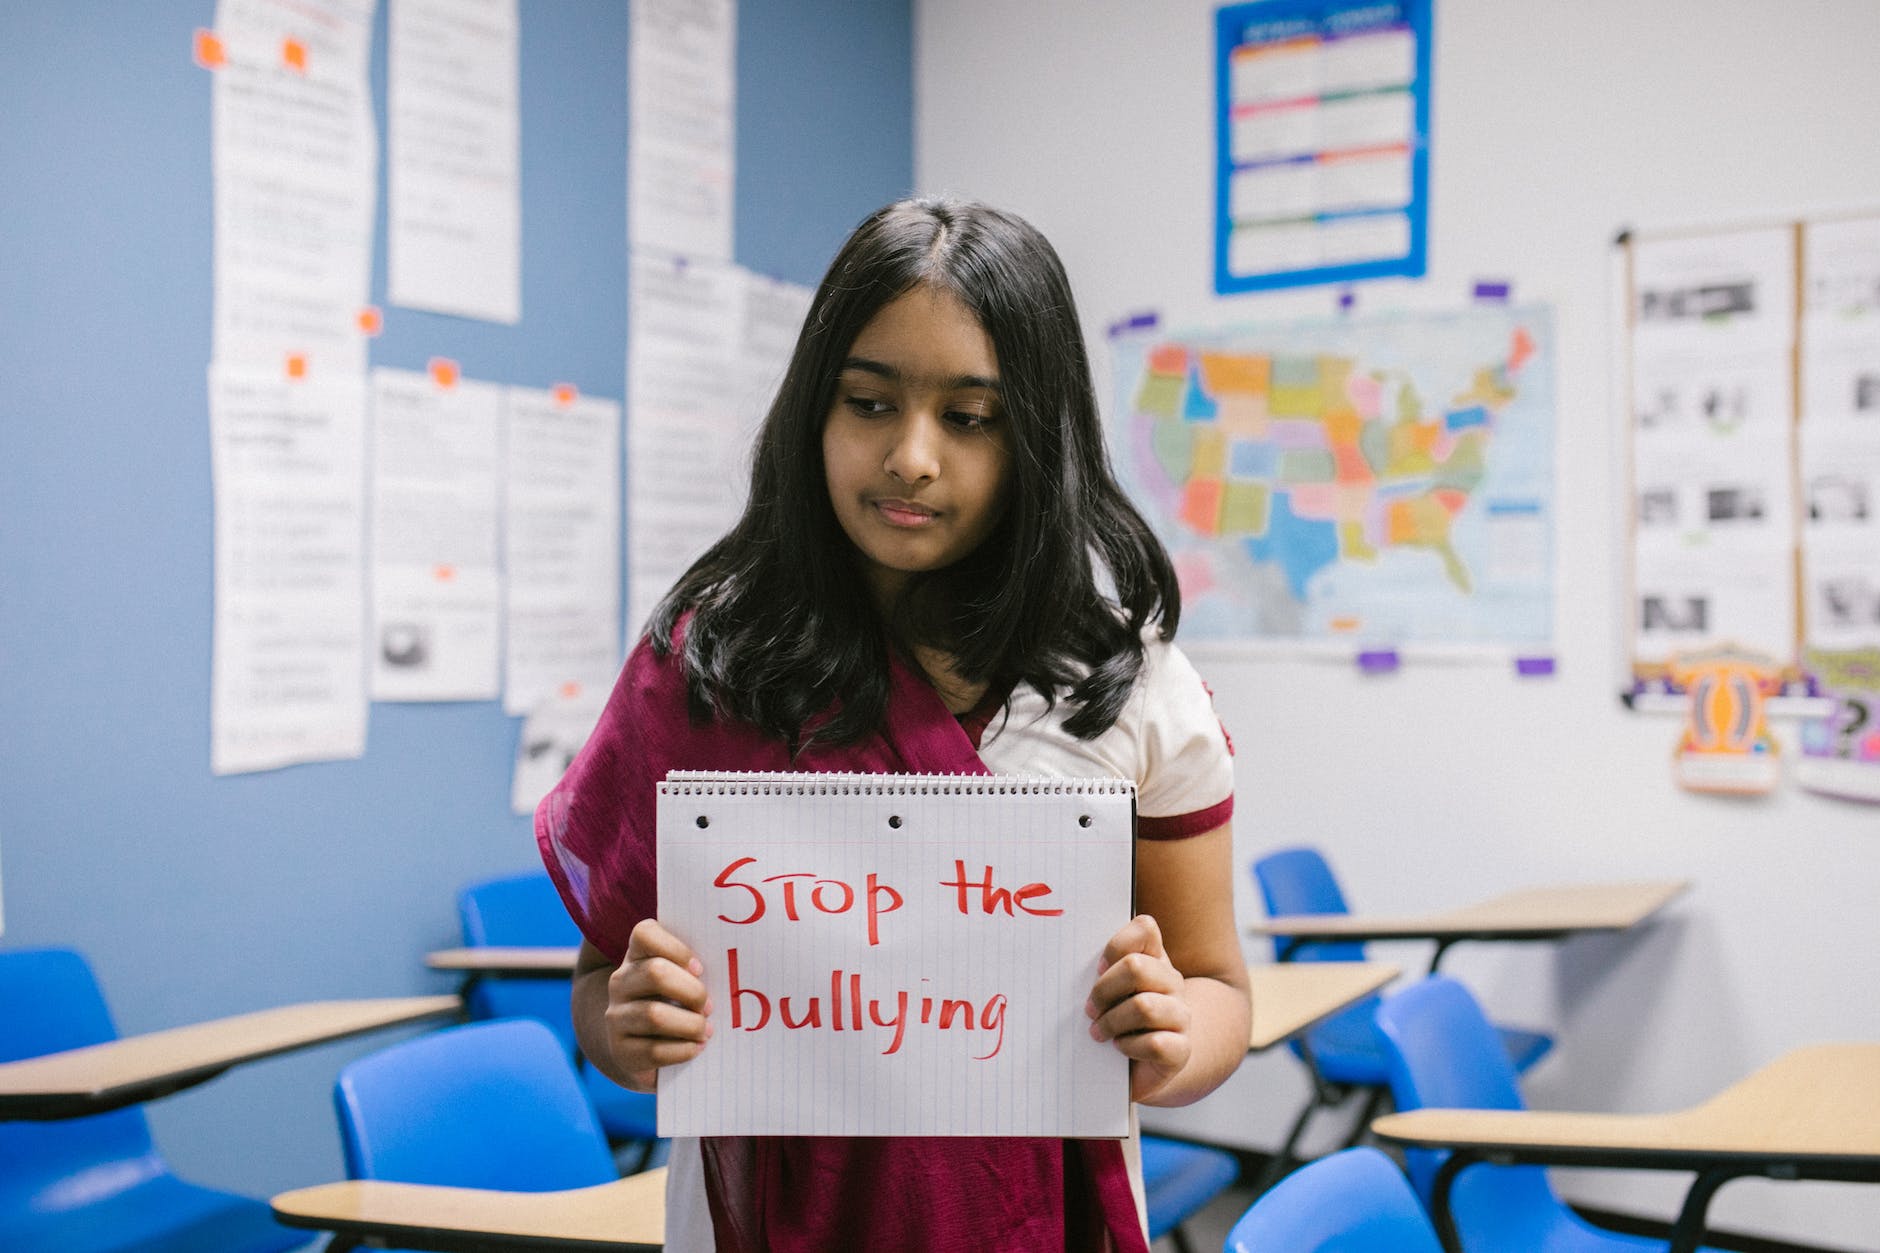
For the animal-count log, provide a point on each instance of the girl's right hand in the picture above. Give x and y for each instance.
(657, 1011)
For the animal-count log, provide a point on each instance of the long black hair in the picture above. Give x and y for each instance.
(783, 632)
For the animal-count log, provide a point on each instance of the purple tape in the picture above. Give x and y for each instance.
(1135, 322)
(1378, 661)
(1492, 292)
(1533, 667)
(1347, 300)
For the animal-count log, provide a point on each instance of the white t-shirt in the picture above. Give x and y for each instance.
(1167, 739)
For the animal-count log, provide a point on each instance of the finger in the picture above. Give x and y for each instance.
(1134, 973)
(657, 977)
(663, 1020)
(1166, 1051)
(1140, 934)
(650, 939)
(651, 1055)
(1148, 1012)
(1148, 1075)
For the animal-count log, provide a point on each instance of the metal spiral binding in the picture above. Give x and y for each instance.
(805, 783)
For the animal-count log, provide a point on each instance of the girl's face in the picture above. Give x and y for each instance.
(915, 447)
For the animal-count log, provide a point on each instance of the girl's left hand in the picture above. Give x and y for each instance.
(1138, 1002)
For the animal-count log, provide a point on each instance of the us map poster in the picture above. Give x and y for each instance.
(1357, 483)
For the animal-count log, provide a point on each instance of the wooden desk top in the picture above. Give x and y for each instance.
(494, 960)
(138, 1068)
(1288, 998)
(1818, 1104)
(1533, 913)
(628, 1214)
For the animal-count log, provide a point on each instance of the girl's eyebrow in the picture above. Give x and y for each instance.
(894, 374)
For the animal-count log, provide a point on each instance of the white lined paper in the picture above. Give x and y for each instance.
(1028, 1067)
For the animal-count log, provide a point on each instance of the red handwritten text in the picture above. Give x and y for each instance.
(992, 899)
(847, 1010)
(828, 896)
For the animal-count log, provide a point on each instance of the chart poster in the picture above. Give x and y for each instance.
(1357, 483)
(1322, 134)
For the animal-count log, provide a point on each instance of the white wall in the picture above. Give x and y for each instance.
(1554, 126)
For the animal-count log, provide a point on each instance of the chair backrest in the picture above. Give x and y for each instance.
(519, 910)
(1443, 1053)
(1299, 881)
(50, 1001)
(1351, 1202)
(483, 1105)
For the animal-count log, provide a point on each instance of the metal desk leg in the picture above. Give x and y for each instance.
(1440, 1215)
(1689, 1228)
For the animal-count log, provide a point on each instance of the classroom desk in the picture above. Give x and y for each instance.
(1811, 1114)
(627, 1214)
(1288, 999)
(630, 1214)
(495, 960)
(107, 1076)
(1546, 913)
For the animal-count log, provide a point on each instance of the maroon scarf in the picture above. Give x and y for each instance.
(812, 1193)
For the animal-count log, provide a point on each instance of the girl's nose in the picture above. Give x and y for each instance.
(914, 456)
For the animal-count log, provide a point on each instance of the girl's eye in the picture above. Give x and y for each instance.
(866, 406)
(970, 421)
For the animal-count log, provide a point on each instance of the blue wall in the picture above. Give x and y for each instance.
(196, 896)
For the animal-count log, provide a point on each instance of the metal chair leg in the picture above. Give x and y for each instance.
(1372, 1105)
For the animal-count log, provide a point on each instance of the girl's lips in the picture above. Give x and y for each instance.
(904, 513)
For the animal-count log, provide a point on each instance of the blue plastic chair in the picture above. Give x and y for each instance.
(1444, 1053)
(1178, 1179)
(1356, 1201)
(1344, 1054)
(481, 1105)
(526, 910)
(97, 1184)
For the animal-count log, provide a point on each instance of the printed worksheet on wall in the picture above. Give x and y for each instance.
(707, 348)
(296, 177)
(1713, 547)
(681, 167)
(436, 591)
(561, 543)
(1839, 448)
(453, 169)
(288, 676)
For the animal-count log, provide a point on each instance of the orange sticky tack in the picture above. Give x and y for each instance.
(444, 574)
(1345, 625)
(296, 365)
(294, 55)
(444, 371)
(1521, 349)
(570, 690)
(565, 393)
(208, 50)
(371, 321)
(1168, 359)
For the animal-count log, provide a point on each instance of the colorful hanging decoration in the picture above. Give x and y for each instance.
(1841, 751)
(1725, 745)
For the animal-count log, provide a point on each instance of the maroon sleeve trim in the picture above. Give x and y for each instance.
(1182, 826)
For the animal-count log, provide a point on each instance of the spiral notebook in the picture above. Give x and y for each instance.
(897, 954)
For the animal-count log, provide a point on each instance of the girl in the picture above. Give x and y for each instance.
(935, 573)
